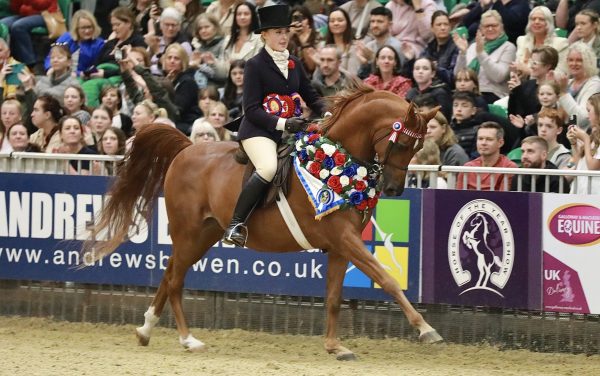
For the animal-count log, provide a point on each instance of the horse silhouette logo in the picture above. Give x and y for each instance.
(481, 247)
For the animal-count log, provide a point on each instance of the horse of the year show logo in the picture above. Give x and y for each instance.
(481, 247)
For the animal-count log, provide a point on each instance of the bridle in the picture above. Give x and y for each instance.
(398, 128)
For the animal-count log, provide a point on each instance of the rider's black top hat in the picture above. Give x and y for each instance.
(273, 17)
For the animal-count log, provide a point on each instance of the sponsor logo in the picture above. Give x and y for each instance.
(575, 224)
(481, 247)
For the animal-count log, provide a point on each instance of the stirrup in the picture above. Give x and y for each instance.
(236, 235)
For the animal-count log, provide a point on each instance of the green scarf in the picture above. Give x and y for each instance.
(488, 47)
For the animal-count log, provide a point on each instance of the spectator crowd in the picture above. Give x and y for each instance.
(517, 81)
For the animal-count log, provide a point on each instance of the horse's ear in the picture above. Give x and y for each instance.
(428, 115)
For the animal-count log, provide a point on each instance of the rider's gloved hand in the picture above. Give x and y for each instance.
(296, 124)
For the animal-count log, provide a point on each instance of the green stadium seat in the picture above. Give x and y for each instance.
(515, 156)
(498, 110)
(561, 32)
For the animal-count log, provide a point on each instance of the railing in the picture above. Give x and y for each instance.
(104, 165)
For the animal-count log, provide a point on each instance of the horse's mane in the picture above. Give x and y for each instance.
(336, 103)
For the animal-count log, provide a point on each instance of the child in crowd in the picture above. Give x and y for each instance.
(547, 94)
(218, 116)
(466, 80)
(100, 121)
(234, 88)
(550, 123)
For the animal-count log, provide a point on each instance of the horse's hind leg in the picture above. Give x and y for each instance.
(336, 270)
(352, 247)
(152, 315)
(188, 248)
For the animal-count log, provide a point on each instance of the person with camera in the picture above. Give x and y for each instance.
(270, 78)
(166, 32)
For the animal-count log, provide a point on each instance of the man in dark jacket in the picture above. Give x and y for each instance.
(534, 153)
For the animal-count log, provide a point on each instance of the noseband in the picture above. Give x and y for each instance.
(398, 128)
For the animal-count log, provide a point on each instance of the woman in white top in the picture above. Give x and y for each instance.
(540, 32)
(339, 33)
(585, 149)
(490, 56)
(242, 43)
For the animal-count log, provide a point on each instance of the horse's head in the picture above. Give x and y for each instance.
(398, 144)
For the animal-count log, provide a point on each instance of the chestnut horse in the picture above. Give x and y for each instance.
(202, 182)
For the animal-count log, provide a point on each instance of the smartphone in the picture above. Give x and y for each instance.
(462, 32)
(157, 29)
(13, 77)
(572, 121)
(118, 55)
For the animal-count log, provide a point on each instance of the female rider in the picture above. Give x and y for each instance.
(269, 77)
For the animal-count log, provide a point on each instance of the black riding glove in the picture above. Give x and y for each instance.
(296, 124)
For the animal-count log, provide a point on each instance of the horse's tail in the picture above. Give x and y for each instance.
(139, 181)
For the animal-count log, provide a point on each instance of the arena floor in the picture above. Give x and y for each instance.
(33, 346)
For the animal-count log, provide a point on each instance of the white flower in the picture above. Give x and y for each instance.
(361, 171)
(323, 173)
(305, 138)
(344, 180)
(310, 149)
(298, 146)
(337, 170)
(328, 149)
(371, 192)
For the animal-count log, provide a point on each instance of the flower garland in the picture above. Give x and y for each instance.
(329, 162)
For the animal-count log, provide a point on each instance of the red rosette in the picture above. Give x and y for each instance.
(290, 106)
(291, 64)
(279, 105)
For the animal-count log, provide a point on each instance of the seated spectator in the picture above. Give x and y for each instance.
(84, 41)
(534, 154)
(74, 104)
(428, 155)
(110, 97)
(27, 16)
(587, 30)
(412, 24)
(134, 88)
(386, 74)
(379, 30)
(539, 33)
(223, 12)
(111, 142)
(10, 69)
(169, 32)
(359, 11)
(547, 96)
(125, 33)
(206, 98)
(18, 140)
(72, 142)
(58, 78)
(304, 38)
(513, 15)
(100, 121)
(583, 82)
(466, 80)
(585, 149)
(45, 115)
(566, 12)
(427, 83)
(203, 131)
(451, 153)
(218, 117)
(490, 138)
(329, 79)
(243, 43)
(442, 49)
(339, 33)
(208, 43)
(522, 100)
(10, 113)
(550, 123)
(234, 88)
(490, 56)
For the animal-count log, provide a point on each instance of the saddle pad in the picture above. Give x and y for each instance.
(322, 198)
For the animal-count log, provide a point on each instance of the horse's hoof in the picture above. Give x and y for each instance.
(346, 356)
(431, 337)
(192, 344)
(142, 339)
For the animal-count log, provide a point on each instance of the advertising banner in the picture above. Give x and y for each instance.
(571, 239)
(485, 248)
(43, 217)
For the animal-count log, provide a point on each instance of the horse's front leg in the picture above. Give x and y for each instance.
(353, 249)
(336, 270)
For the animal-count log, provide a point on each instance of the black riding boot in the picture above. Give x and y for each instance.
(253, 191)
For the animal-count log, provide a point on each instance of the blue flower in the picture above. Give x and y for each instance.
(303, 155)
(356, 197)
(350, 171)
(329, 163)
(299, 135)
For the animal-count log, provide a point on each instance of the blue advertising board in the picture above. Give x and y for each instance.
(43, 220)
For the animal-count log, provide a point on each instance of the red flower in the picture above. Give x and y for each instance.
(319, 155)
(360, 186)
(312, 138)
(312, 128)
(334, 183)
(339, 158)
(291, 64)
(372, 202)
(314, 169)
(362, 206)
